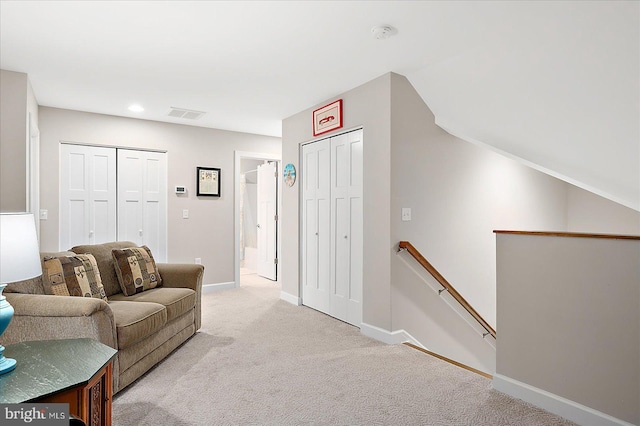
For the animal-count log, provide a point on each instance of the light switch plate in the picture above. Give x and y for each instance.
(44, 214)
(185, 214)
(406, 214)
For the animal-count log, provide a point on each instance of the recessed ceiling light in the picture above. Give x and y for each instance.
(136, 108)
(383, 32)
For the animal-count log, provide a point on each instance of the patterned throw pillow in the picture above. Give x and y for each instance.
(72, 276)
(136, 269)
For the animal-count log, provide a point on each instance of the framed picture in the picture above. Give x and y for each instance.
(208, 183)
(327, 118)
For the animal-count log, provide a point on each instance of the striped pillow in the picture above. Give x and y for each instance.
(136, 269)
(72, 276)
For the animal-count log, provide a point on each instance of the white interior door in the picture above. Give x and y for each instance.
(142, 200)
(316, 229)
(87, 195)
(267, 219)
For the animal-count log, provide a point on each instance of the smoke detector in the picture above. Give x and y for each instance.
(383, 32)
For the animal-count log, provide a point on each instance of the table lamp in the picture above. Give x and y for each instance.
(19, 260)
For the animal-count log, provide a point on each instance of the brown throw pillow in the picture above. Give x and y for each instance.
(72, 276)
(136, 269)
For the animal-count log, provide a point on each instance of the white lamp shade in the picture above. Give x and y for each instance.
(19, 252)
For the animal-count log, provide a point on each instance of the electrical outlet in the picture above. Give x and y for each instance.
(198, 261)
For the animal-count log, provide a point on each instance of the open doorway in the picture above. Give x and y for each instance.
(248, 215)
(257, 201)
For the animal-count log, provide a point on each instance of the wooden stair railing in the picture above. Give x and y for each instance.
(405, 245)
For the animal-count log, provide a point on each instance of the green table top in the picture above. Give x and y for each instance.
(47, 367)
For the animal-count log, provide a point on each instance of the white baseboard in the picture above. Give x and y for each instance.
(555, 404)
(294, 300)
(388, 337)
(210, 288)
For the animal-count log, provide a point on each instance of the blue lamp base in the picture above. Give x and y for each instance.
(6, 313)
(6, 364)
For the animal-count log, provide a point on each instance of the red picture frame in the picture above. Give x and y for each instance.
(327, 118)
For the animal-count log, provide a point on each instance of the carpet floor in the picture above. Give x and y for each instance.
(258, 360)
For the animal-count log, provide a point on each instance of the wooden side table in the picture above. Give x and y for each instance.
(74, 371)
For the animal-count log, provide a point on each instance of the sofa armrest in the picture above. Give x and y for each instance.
(185, 275)
(181, 275)
(46, 317)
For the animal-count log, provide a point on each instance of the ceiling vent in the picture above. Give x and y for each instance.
(185, 113)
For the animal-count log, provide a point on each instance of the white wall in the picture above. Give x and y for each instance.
(208, 233)
(588, 212)
(570, 325)
(13, 141)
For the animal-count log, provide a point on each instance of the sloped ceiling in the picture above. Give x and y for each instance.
(553, 84)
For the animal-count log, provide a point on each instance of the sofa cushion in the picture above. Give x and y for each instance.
(177, 301)
(76, 275)
(34, 285)
(102, 253)
(136, 269)
(136, 321)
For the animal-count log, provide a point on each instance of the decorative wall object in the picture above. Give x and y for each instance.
(289, 174)
(327, 118)
(208, 183)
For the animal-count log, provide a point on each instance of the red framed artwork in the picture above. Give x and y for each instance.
(327, 118)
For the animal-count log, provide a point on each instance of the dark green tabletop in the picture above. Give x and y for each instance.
(46, 367)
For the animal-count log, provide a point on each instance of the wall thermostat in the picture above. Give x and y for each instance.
(181, 190)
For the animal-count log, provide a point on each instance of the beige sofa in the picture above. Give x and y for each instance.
(144, 328)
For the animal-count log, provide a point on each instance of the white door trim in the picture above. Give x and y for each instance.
(239, 155)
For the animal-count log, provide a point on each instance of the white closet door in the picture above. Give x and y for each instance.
(142, 200)
(87, 195)
(346, 227)
(267, 219)
(316, 228)
(331, 246)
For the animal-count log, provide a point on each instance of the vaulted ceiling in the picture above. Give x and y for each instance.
(553, 84)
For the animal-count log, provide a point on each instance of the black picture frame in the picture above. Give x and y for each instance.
(208, 182)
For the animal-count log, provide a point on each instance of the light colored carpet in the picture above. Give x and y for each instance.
(260, 361)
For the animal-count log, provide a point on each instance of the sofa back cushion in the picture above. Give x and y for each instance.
(76, 275)
(102, 254)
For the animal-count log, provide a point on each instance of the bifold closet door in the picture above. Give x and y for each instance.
(316, 226)
(87, 195)
(142, 200)
(346, 227)
(331, 243)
